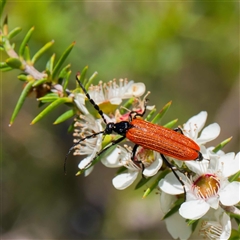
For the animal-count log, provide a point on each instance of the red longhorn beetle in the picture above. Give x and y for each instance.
(167, 142)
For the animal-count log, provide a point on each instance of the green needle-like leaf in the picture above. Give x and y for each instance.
(174, 208)
(25, 41)
(235, 177)
(15, 63)
(221, 145)
(14, 32)
(67, 80)
(160, 115)
(83, 76)
(27, 55)
(39, 82)
(192, 221)
(171, 124)
(65, 116)
(142, 182)
(40, 52)
(90, 80)
(49, 108)
(50, 97)
(2, 5)
(194, 225)
(23, 77)
(5, 26)
(64, 76)
(21, 100)
(121, 170)
(61, 60)
(149, 116)
(5, 69)
(3, 65)
(50, 63)
(71, 127)
(64, 71)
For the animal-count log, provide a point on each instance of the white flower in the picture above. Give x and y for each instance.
(121, 156)
(191, 129)
(209, 186)
(216, 224)
(195, 124)
(114, 93)
(176, 224)
(83, 127)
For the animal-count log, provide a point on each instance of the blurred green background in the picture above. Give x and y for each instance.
(187, 52)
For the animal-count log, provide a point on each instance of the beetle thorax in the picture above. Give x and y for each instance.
(120, 128)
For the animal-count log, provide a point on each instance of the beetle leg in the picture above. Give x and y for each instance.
(136, 161)
(138, 114)
(179, 130)
(174, 172)
(200, 157)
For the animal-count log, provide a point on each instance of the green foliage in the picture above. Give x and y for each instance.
(222, 144)
(21, 100)
(2, 5)
(235, 235)
(25, 42)
(43, 83)
(160, 115)
(171, 123)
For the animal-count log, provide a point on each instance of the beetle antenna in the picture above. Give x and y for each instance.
(91, 100)
(75, 144)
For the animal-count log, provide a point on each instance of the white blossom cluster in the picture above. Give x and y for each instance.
(209, 192)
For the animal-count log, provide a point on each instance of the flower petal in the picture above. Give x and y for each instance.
(79, 100)
(112, 159)
(209, 133)
(194, 209)
(124, 180)
(230, 163)
(166, 201)
(152, 169)
(198, 167)
(230, 195)
(178, 227)
(115, 101)
(88, 171)
(195, 124)
(135, 90)
(85, 162)
(171, 185)
(227, 226)
(213, 201)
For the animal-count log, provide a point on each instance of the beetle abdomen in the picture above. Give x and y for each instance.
(162, 140)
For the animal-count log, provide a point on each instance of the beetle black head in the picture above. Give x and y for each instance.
(109, 128)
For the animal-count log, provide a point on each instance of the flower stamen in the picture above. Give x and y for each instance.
(211, 230)
(206, 186)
